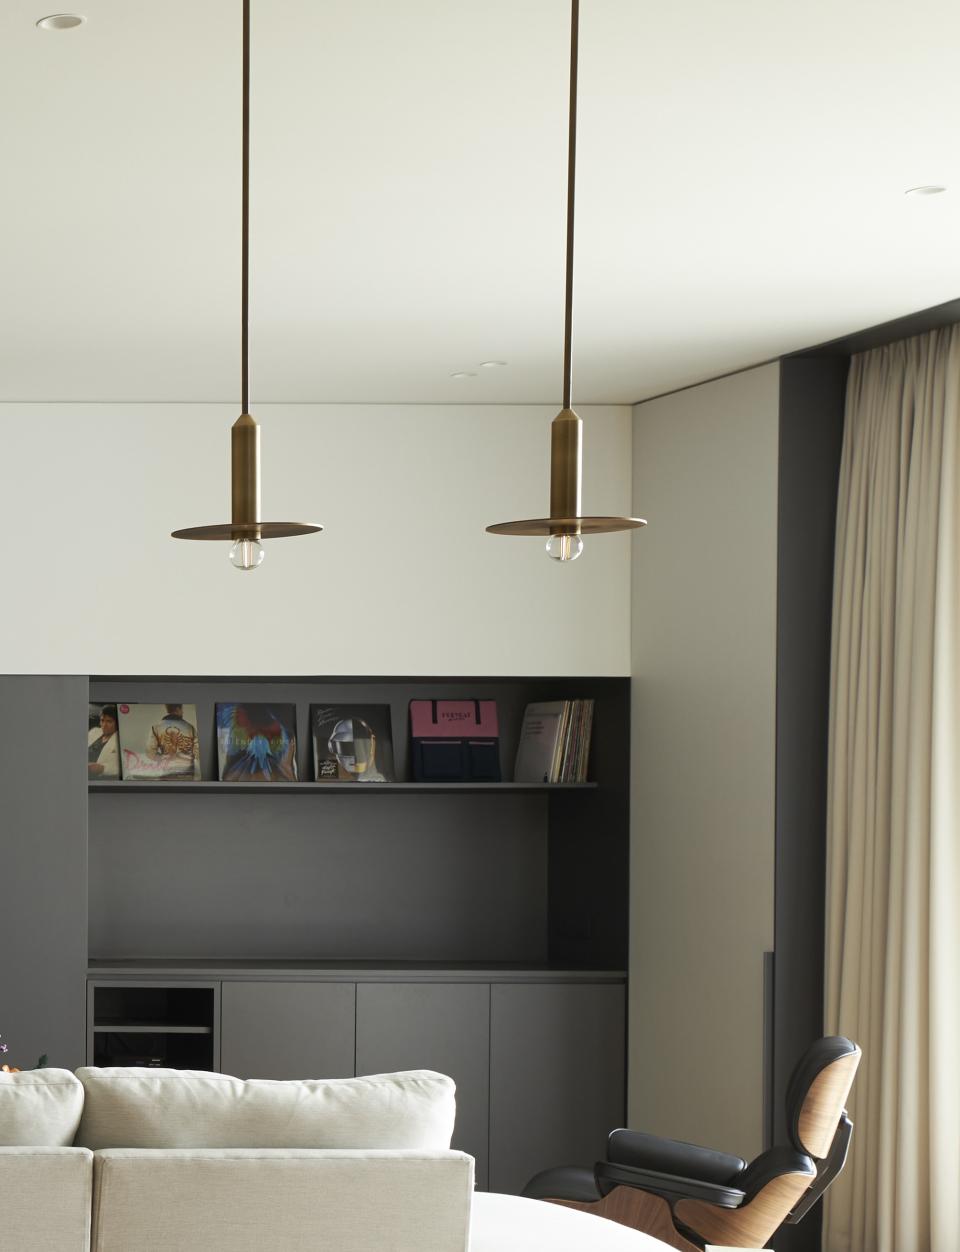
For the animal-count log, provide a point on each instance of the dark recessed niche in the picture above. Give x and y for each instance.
(418, 873)
(154, 1026)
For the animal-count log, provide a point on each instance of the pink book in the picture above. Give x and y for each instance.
(453, 719)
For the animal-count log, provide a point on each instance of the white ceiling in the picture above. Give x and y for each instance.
(742, 169)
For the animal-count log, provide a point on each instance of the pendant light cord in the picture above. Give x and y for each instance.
(245, 223)
(571, 185)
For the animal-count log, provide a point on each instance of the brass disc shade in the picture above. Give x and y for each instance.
(248, 530)
(245, 485)
(567, 526)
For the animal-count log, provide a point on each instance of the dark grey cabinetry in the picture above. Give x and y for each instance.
(43, 868)
(537, 1055)
(556, 1077)
(348, 929)
(288, 1029)
(443, 1026)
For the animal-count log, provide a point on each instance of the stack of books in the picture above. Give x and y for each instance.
(555, 742)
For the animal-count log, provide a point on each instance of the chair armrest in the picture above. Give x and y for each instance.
(672, 1156)
(671, 1187)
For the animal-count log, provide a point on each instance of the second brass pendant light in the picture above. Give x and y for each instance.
(566, 525)
(245, 530)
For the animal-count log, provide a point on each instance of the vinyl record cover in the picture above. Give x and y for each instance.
(103, 743)
(257, 742)
(160, 742)
(352, 743)
(539, 743)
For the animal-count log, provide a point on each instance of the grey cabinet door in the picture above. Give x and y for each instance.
(441, 1026)
(556, 1077)
(287, 1029)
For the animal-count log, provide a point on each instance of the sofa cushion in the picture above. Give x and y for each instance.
(39, 1108)
(169, 1108)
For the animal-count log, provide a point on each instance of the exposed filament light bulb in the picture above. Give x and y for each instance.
(564, 547)
(246, 554)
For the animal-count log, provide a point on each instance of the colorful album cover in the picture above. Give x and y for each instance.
(257, 742)
(352, 743)
(103, 743)
(160, 742)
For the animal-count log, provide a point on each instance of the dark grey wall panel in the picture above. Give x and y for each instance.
(43, 865)
(287, 1029)
(812, 392)
(441, 1026)
(398, 877)
(556, 1077)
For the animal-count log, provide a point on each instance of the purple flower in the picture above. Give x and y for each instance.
(4, 1048)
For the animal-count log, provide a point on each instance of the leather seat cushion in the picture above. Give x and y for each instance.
(567, 1182)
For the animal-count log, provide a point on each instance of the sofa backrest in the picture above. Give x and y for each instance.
(39, 1108)
(165, 1108)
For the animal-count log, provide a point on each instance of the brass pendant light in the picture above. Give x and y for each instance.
(246, 530)
(565, 525)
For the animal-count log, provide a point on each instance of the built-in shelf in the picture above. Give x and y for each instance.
(148, 1028)
(159, 969)
(312, 788)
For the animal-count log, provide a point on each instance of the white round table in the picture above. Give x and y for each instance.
(509, 1223)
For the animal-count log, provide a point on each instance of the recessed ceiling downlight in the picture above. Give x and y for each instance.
(61, 21)
(928, 189)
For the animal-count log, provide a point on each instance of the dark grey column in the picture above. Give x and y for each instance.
(43, 868)
(812, 392)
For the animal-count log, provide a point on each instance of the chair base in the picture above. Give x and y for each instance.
(638, 1209)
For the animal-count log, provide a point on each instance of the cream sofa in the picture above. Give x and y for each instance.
(143, 1160)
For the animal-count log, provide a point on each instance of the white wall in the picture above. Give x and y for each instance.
(702, 809)
(402, 581)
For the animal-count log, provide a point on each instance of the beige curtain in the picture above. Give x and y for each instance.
(893, 861)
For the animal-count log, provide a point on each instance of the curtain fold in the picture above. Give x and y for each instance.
(893, 821)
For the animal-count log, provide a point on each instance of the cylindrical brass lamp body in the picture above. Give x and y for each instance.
(566, 453)
(245, 470)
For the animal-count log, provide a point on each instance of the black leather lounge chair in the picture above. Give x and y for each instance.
(688, 1196)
